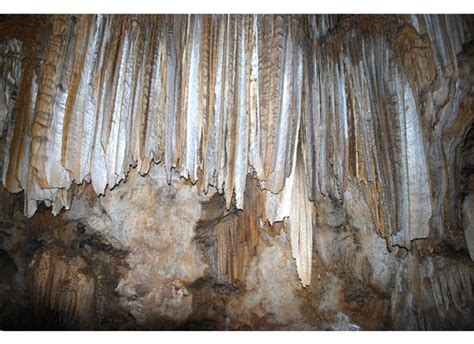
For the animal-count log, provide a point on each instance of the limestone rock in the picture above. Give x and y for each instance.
(263, 162)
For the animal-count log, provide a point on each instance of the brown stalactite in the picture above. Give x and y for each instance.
(306, 104)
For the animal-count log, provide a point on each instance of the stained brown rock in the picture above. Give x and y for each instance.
(346, 135)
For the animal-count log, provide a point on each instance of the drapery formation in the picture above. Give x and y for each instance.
(303, 103)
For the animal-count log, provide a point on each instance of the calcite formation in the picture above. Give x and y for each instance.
(318, 124)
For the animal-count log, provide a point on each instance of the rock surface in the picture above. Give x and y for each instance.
(237, 172)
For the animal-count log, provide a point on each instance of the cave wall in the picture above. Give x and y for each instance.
(237, 172)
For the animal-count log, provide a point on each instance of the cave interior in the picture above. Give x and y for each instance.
(236, 172)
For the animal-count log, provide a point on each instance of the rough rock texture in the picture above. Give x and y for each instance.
(237, 172)
(56, 274)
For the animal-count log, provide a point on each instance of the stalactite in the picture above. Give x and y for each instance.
(61, 287)
(304, 103)
(237, 236)
(432, 289)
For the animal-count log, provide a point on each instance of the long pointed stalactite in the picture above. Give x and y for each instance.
(306, 104)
